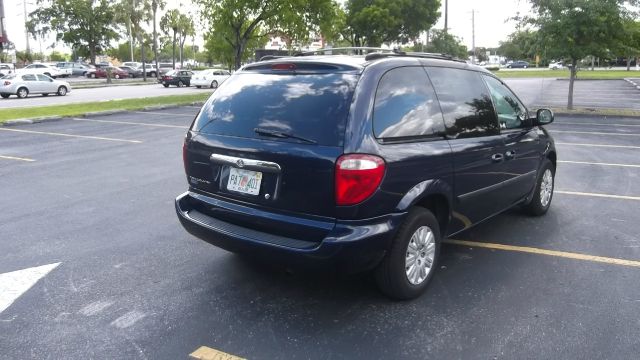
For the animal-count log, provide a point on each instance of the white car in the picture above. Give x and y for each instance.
(209, 78)
(43, 69)
(6, 69)
(22, 85)
(556, 65)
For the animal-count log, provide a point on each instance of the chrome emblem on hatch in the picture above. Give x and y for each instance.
(240, 163)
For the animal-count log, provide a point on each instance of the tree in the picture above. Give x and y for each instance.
(444, 43)
(86, 25)
(138, 13)
(374, 22)
(630, 45)
(57, 56)
(574, 29)
(219, 50)
(186, 29)
(242, 22)
(155, 4)
(521, 44)
(170, 24)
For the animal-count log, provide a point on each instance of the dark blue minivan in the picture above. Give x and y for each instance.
(361, 162)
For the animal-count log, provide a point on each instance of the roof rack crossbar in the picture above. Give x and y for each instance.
(380, 55)
(357, 48)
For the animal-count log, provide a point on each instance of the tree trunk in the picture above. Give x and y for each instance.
(593, 60)
(173, 55)
(572, 78)
(155, 37)
(144, 69)
(629, 63)
(92, 54)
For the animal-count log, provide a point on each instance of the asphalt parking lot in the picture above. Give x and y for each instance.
(93, 199)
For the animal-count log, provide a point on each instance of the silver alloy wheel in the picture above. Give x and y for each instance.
(62, 91)
(22, 93)
(421, 252)
(214, 84)
(546, 188)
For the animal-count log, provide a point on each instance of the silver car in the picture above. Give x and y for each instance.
(22, 85)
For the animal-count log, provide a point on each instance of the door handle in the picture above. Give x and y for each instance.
(511, 154)
(497, 158)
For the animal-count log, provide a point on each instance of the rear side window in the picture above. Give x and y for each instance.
(406, 105)
(313, 106)
(465, 102)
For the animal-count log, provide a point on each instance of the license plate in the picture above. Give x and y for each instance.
(244, 181)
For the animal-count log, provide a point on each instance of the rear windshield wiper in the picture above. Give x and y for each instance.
(282, 135)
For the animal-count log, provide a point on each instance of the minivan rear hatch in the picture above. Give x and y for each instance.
(270, 135)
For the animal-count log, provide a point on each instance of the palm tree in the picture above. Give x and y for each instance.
(187, 28)
(171, 22)
(155, 4)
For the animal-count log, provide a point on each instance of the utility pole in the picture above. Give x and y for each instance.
(473, 35)
(26, 32)
(446, 16)
(130, 34)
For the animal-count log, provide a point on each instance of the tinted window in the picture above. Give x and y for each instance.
(465, 102)
(43, 78)
(406, 105)
(29, 77)
(511, 112)
(310, 106)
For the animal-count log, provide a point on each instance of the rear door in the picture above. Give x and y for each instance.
(270, 137)
(476, 143)
(522, 153)
(32, 83)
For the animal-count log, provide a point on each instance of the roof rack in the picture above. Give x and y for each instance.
(380, 55)
(360, 50)
(271, 57)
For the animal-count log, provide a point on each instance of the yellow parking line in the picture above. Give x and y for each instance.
(600, 145)
(621, 197)
(131, 123)
(207, 353)
(595, 124)
(592, 133)
(15, 158)
(538, 251)
(597, 163)
(70, 135)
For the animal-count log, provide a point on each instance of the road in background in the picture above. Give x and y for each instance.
(99, 94)
(596, 94)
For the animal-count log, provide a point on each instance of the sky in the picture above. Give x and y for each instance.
(490, 19)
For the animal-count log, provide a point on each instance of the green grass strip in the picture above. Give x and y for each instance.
(564, 74)
(69, 110)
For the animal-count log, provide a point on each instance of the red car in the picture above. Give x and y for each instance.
(116, 73)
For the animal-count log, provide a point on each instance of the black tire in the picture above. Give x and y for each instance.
(537, 206)
(525, 66)
(214, 84)
(165, 85)
(117, 76)
(198, 86)
(5, 96)
(152, 74)
(180, 83)
(391, 273)
(62, 91)
(93, 75)
(22, 92)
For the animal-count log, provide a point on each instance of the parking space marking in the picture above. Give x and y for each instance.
(72, 136)
(592, 133)
(595, 124)
(164, 114)
(131, 123)
(597, 163)
(15, 158)
(600, 145)
(539, 251)
(207, 353)
(610, 196)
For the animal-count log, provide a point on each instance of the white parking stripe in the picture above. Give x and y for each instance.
(164, 114)
(600, 145)
(14, 284)
(592, 133)
(620, 197)
(15, 158)
(131, 123)
(597, 163)
(594, 124)
(70, 135)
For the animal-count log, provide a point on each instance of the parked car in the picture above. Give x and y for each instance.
(209, 78)
(361, 163)
(65, 71)
(39, 68)
(6, 69)
(132, 64)
(556, 65)
(133, 72)
(150, 70)
(116, 72)
(22, 85)
(518, 64)
(178, 78)
(77, 69)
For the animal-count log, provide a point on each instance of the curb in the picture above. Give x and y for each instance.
(30, 120)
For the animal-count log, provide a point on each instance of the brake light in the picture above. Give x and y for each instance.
(283, 67)
(184, 155)
(357, 177)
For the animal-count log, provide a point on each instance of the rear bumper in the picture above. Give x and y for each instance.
(350, 246)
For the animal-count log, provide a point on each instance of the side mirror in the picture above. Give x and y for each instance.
(543, 117)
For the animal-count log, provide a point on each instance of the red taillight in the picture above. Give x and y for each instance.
(184, 155)
(357, 177)
(289, 67)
